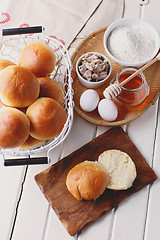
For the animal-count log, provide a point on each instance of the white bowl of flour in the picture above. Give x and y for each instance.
(131, 42)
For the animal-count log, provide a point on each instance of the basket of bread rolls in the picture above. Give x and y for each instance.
(36, 97)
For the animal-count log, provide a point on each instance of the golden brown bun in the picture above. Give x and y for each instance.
(87, 180)
(31, 143)
(47, 118)
(39, 58)
(14, 127)
(50, 88)
(1, 104)
(5, 63)
(18, 87)
(21, 109)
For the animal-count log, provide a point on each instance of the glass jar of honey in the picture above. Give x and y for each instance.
(135, 91)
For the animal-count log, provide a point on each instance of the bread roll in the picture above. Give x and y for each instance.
(39, 58)
(18, 87)
(21, 109)
(31, 143)
(47, 118)
(1, 104)
(14, 127)
(87, 180)
(50, 88)
(5, 63)
(120, 168)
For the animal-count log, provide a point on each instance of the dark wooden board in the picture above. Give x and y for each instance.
(74, 214)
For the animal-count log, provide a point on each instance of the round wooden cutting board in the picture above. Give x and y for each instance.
(94, 43)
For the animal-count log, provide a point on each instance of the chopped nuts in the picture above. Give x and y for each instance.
(93, 67)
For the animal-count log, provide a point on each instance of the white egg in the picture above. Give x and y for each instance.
(89, 100)
(107, 110)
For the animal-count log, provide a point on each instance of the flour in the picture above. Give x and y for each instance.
(131, 44)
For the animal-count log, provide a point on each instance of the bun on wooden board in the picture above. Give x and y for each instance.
(39, 58)
(87, 180)
(120, 168)
(114, 170)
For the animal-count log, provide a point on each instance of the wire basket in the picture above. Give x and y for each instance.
(11, 44)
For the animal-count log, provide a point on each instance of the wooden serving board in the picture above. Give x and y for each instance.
(74, 214)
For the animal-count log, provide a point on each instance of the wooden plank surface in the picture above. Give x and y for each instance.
(130, 218)
(131, 9)
(102, 228)
(83, 132)
(151, 13)
(10, 185)
(34, 218)
(141, 132)
(152, 230)
(75, 215)
(33, 208)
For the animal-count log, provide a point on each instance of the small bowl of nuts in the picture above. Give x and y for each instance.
(93, 69)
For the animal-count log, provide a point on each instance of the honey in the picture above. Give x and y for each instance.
(135, 91)
(136, 82)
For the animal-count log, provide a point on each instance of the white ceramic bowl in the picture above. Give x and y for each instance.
(129, 22)
(87, 83)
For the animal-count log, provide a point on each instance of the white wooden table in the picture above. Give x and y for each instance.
(26, 215)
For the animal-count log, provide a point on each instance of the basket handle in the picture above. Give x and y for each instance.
(26, 161)
(23, 30)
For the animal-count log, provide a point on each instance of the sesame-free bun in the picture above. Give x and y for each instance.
(14, 127)
(1, 104)
(39, 58)
(87, 180)
(31, 143)
(18, 87)
(50, 88)
(47, 118)
(5, 63)
(21, 109)
(120, 168)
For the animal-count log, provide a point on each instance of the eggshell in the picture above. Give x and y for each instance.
(89, 100)
(107, 110)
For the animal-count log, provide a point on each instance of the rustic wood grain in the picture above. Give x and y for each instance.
(75, 215)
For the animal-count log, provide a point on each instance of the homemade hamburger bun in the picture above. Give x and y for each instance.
(1, 104)
(31, 143)
(18, 87)
(5, 63)
(47, 118)
(21, 109)
(87, 180)
(120, 168)
(14, 127)
(39, 58)
(50, 88)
